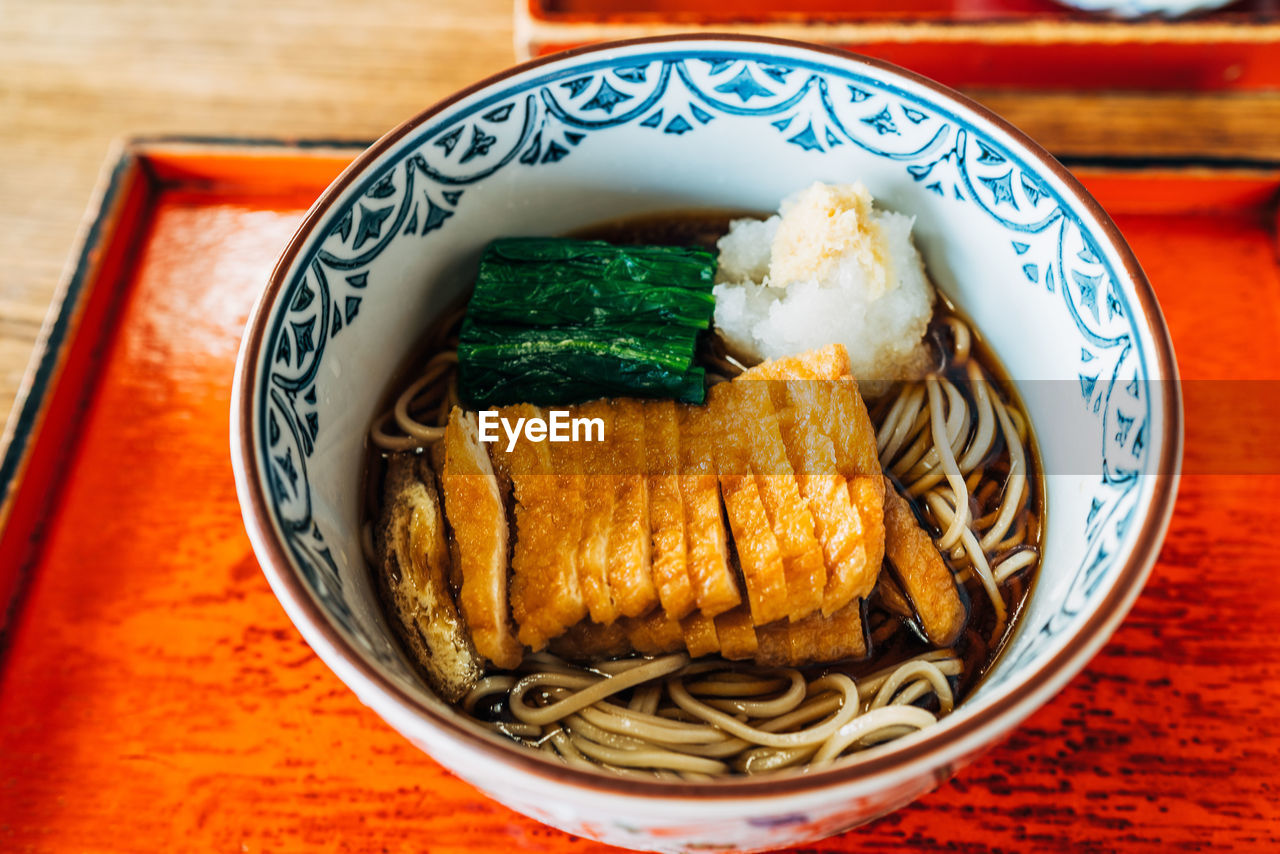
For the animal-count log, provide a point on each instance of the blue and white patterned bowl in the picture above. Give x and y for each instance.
(707, 122)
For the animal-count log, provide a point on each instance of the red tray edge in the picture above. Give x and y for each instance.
(79, 320)
(1069, 26)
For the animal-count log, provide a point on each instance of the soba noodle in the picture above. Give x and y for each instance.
(939, 445)
(956, 448)
(709, 717)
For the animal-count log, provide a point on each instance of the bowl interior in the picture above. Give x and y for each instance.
(698, 124)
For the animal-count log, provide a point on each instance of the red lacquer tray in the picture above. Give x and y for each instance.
(154, 697)
(1037, 44)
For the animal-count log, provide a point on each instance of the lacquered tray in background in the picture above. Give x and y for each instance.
(154, 697)
(1024, 44)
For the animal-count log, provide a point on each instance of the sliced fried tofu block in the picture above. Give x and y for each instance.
(654, 634)
(715, 588)
(789, 515)
(479, 521)
(666, 509)
(700, 636)
(597, 519)
(921, 572)
(415, 569)
(841, 636)
(589, 641)
(545, 595)
(759, 556)
(630, 557)
(737, 634)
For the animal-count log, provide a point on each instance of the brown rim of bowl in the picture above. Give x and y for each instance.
(1129, 583)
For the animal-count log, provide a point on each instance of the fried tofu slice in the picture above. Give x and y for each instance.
(857, 458)
(891, 597)
(435, 460)
(867, 494)
(707, 549)
(630, 556)
(737, 634)
(758, 553)
(654, 634)
(590, 641)
(922, 573)
(473, 505)
(666, 509)
(815, 639)
(546, 597)
(500, 461)
(826, 363)
(789, 516)
(773, 648)
(837, 522)
(700, 636)
(415, 568)
(839, 637)
(836, 390)
(841, 414)
(571, 486)
(597, 518)
(859, 454)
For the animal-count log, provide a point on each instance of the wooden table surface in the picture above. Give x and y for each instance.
(77, 74)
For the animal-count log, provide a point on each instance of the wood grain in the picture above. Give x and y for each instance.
(1129, 124)
(77, 74)
(155, 696)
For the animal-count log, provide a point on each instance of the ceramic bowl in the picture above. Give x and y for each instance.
(691, 123)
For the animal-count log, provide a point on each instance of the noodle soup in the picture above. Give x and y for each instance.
(640, 696)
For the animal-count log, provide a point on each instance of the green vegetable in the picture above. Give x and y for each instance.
(548, 282)
(554, 321)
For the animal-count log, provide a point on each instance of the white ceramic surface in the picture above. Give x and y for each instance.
(671, 124)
